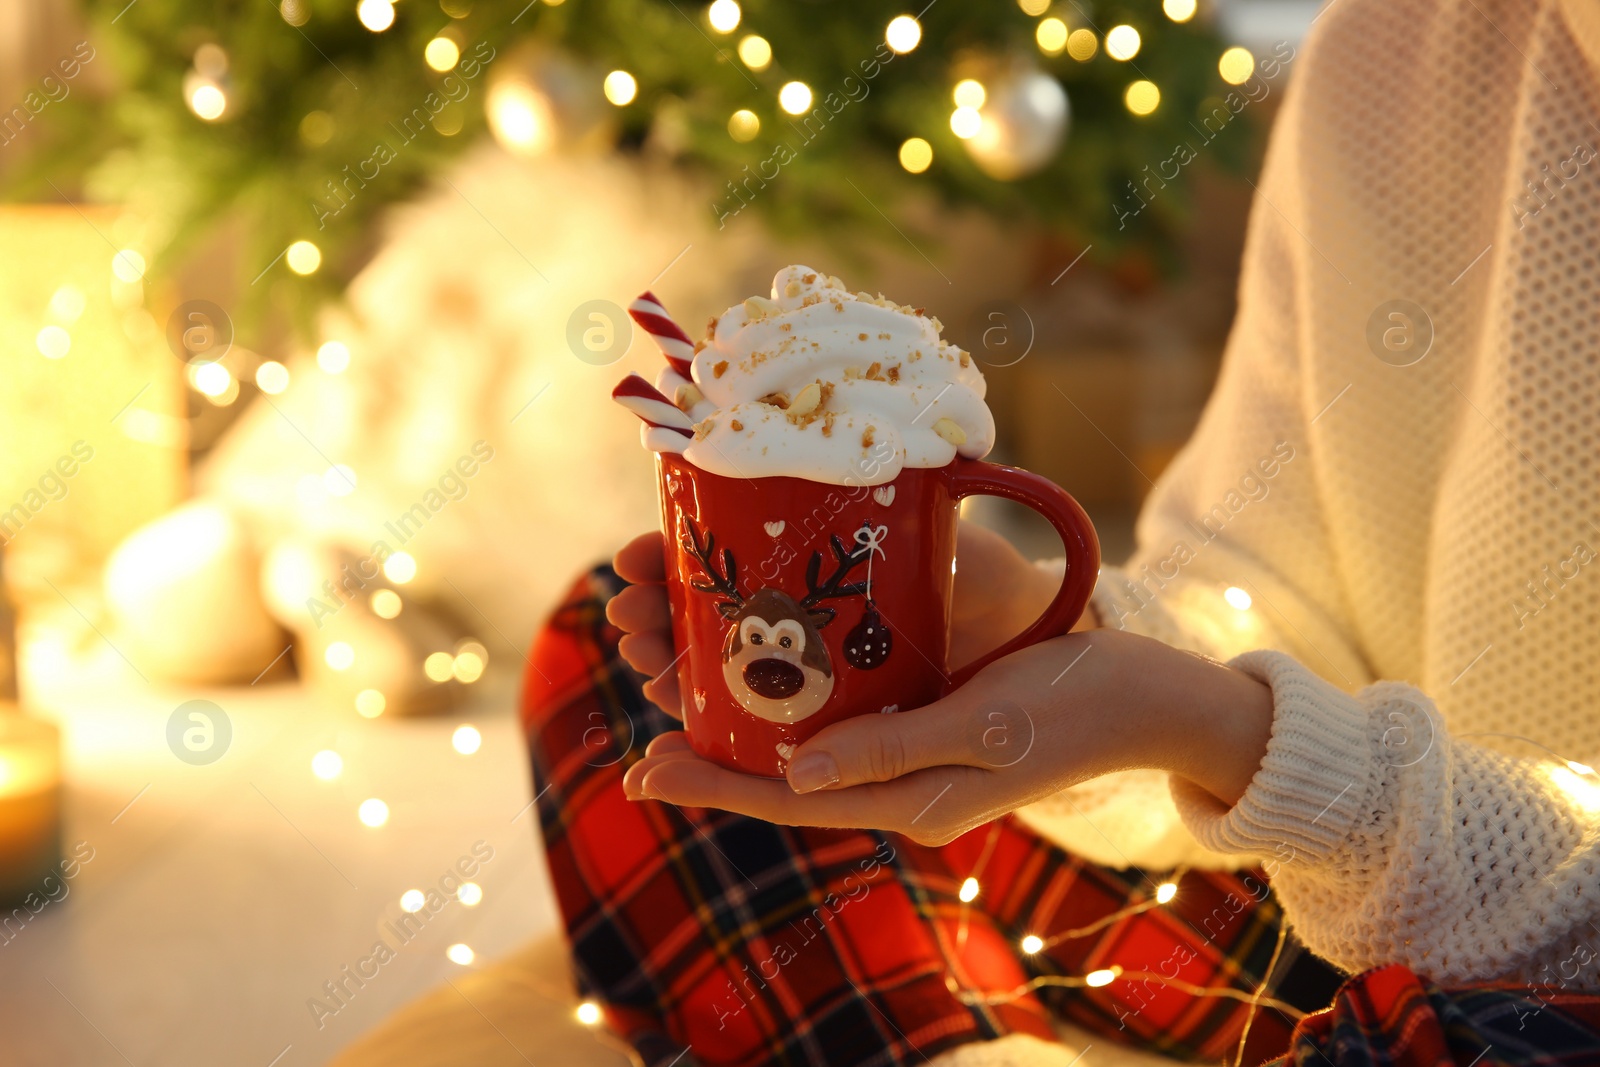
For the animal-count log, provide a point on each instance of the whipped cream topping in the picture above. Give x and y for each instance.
(820, 383)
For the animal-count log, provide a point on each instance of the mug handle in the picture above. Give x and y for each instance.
(971, 477)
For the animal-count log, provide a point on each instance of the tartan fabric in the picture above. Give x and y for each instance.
(1389, 1017)
(711, 938)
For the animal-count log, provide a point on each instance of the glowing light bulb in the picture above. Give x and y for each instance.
(1179, 10)
(375, 15)
(965, 122)
(439, 667)
(370, 703)
(467, 667)
(1103, 977)
(969, 92)
(743, 125)
(1032, 943)
(412, 900)
(303, 257)
(588, 1013)
(333, 357)
(621, 88)
(755, 52)
(1122, 42)
(1051, 35)
(272, 377)
(53, 343)
(339, 655)
(470, 894)
(723, 16)
(1236, 65)
(1165, 892)
(1578, 788)
(128, 266)
(1237, 598)
(795, 97)
(1142, 97)
(386, 603)
(442, 54)
(400, 568)
(327, 764)
(208, 101)
(1082, 45)
(969, 891)
(1034, 8)
(1579, 768)
(466, 740)
(460, 954)
(212, 379)
(903, 34)
(916, 155)
(521, 118)
(373, 812)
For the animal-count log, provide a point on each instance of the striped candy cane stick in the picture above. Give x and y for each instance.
(647, 402)
(669, 336)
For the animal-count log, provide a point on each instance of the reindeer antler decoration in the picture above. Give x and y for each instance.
(725, 584)
(847, 561)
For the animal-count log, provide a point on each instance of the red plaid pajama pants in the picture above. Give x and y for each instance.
(714, 939)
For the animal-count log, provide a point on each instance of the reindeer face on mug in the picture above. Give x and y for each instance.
(775, 662)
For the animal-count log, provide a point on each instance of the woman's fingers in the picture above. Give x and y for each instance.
(662, 691)
(642, 559)
(638, 608)
(649, 653)
(881, 748)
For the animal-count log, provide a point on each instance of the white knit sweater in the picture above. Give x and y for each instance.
(1432, 525)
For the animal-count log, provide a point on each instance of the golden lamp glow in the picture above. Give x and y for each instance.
(969, 92)
(903, 34)
(521, 118)
(1237, 598)
(208, 101)
(1579, 789)
(466, 740)
(795, 98)
(272, 377)
(1579, 768)
(743, 125)
(723, 16)
(1103, 977)
(1082, 45)
(470, 894)
(1165, 892)
(442, 54)
(1142, 97)
(339, 480)
(370, 703)
(303, 257)
(916, 155)
(412, 900)
(339, 655)
(1034, 8)
(1236, 65)
(375, 15)
(327, 764)
(755, 52)
(400, 568)
(333, 357)
(439, 666)
(373, 812)
(621, 88)
(467, 667)
(969, 891)
(1179, 10)
(54, 342)
(1032, 943)
(1051, 33)
(1122, 42)
(460, 954)
(588, 1013)
(965, 122)
(386, 603)
(212, 379)
(128, 266)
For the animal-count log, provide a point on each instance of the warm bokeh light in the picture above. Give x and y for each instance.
(1165, 892)
(439, 667)
(588, 1013)
(1179, 10)
(466, 740)
(54, 342)
(1034, 8)
(1103, 977)
(1032, 943)
(620, 88)
(442, 54)
(723, 16)
(743, 125)
(1142, 97)
(333, 357)
(916, 155)
(1051, 34)
(965, 122)
(327, 764)
(903, 34)
(208, 101)
(386, 603)
(412, 900)
(303, 257)
(212, 379)
(67, 303)
(969, 92)
(375, 15)
(339, 480)
(272, 377)
(373, 812)
(128, 266)
(521, 118)
(795, 97)
(1082, 45)
(1578, 788)
(1579, 768)
(467, 667)
(400, 568)
(470, 894)
(755, 52)
(339, 655)
(1237, 598)
(1236, 65)
(370, 703)
(1122, 42)
(969, 891)
(459, 953)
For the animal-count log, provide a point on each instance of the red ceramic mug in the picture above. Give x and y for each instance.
(802, 603)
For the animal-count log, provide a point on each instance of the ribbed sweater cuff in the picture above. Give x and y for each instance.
(1316, 780)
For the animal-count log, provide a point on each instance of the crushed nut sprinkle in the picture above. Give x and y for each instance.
(735, 425)
(719, 368)
(810, 279)
(792, 289)
(874, 373)
(966, 360)
(827, 425)
(785, 326)
(893, 373)
(711, 328)
(703, 429)
(866, 437)
(861, 337)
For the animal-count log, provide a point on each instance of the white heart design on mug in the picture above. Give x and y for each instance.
(700, 699)
(786, 750)
(884, 495)
(889, 709)
(775, 529)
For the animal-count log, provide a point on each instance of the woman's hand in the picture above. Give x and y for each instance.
(1042, 719)
(997, 594)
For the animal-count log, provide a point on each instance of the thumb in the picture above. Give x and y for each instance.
(879, 748)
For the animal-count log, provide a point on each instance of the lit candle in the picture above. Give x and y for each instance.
(30, 803)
